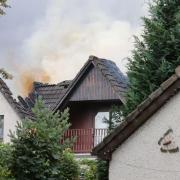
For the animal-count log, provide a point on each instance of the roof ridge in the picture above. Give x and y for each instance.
(95, 58)
(92, 58)
(40, 84)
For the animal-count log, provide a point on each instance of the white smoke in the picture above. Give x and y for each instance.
(70, 32)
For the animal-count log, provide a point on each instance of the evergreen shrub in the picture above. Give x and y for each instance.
(38, 152)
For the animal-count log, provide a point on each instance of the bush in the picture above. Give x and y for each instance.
(37, 152)
(94, 169)
(88, 169)
(5, 159)
(69, 166)
(102, 170)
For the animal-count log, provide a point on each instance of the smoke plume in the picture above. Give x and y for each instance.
(64, 38)
(27, 78)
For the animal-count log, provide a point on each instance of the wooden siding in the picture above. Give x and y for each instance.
(82, 114)
(94, 86)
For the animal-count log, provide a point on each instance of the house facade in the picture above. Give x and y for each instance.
(10, 112)
(146, 145)
(8, 118)
(90, 96)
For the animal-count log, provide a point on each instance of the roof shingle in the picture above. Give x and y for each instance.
(112, 73)
(6, 92)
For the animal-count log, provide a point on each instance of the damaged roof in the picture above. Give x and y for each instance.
(56, 95)
(140, 115)
(6, 92)
(50, 93)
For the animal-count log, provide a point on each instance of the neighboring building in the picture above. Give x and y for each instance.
(146, 145)
(90, 96)
(10, 112)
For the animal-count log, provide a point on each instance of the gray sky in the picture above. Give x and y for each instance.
(57, 36)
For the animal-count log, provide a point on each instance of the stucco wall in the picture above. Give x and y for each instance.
(10, 117)
(140, 158)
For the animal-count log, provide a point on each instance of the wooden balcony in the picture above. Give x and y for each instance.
(86, 139)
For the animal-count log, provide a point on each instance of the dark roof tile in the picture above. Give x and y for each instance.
(116, 78)
(6, 92)
(50, 93)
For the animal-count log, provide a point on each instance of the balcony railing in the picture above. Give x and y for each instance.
(86, 139)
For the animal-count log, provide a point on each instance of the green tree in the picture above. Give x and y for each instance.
(102, 170)
(5, 159)
(115, 118)
(88, 169)
(3, 4)
(156, 53)
(37, 152)
(69, 166)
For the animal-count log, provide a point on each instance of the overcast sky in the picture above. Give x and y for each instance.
(56, 37)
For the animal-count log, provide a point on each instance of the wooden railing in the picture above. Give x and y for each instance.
(86, 139)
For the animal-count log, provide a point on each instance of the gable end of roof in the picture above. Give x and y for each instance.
(109, 70)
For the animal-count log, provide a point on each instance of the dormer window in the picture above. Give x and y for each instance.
(1, 126)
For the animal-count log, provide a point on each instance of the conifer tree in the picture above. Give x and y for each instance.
(114, 119)
(37, 152)
(156, 53)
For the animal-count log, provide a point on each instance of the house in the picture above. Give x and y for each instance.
(10, 112)
(146, 145)
(90, 96)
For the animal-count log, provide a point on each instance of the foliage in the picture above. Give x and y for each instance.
(156, 53)
(3, 4)
(88, 169)
(102, 170)
(37, 152)
(5, 159)
(69, 166)
(94, 169)
(115, 118)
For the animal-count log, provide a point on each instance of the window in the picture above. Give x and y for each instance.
(1, 126)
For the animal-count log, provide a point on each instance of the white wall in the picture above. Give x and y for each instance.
(140, 158)
(10, 117)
